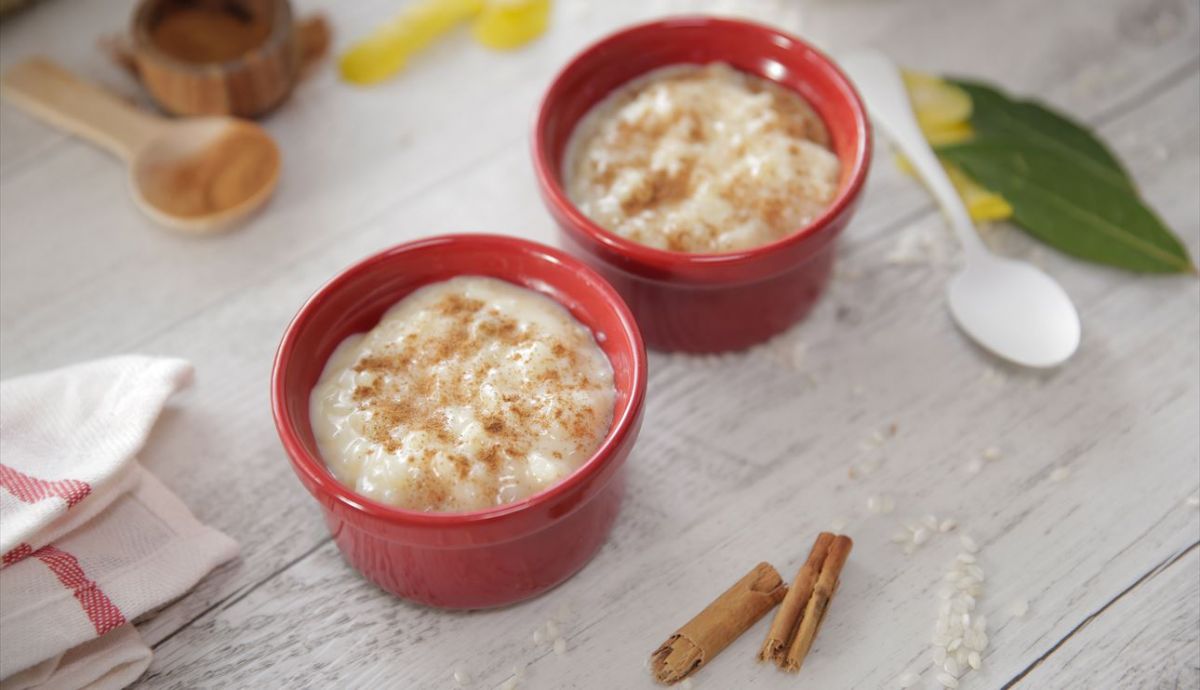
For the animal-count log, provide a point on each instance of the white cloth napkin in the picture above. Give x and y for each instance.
(89, 539)
(108, 662)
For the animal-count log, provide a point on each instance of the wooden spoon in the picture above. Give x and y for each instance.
(197, 175)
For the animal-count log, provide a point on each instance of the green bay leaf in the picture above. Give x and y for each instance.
(995, 113)
(1069, 206)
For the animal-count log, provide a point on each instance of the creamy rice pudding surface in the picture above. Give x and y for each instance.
(470, 393)
(701, 159)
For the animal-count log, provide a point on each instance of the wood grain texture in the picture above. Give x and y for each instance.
(1146, 639)
(765, 433)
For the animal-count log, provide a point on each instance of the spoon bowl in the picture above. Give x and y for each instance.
(196, 175)
(204, 174)
(1015, 311)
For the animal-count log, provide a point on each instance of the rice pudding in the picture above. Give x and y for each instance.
(701, 159)
(469, 393)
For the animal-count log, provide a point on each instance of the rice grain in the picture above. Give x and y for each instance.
(968, 543)
(947, 680)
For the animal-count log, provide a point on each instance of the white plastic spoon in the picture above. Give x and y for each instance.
(1009, 307)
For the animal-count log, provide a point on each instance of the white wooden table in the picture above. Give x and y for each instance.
(742, 458)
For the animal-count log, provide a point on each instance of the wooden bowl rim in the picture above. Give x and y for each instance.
(282, 30)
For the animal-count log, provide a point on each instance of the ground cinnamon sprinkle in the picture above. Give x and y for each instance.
(474, 399)
(701, 159)
(226, 173)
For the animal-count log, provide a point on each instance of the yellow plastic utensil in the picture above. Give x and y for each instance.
(509, 24)
(385, 52)
(499, 24)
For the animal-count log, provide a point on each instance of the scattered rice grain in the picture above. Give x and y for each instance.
(461, 677)
(880, 504)
(994, 376)
(947, 525)
(907, 680)
(960, 655)
(1194, 500)
(951, 666)
(974, 466)
(1059, 474)
(991, 453)
(947, 680)
(974, 660)
(1018, 608)
(920, 536)
(560, 646)
(968, 543)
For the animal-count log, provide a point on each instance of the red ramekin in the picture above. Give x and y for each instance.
(706, 302)
(488, 557)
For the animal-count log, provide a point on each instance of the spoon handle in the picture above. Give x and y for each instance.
(55, 95)
(881, 87)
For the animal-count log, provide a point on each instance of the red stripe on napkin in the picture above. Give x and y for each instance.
(16, 553)
(31, 489)
(96, 605)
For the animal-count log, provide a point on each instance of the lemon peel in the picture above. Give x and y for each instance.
(943, 112)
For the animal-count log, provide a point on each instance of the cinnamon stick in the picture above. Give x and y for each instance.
(720, 623)
(787, 619)
(814, 612)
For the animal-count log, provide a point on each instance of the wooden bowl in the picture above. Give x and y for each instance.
(248, 85)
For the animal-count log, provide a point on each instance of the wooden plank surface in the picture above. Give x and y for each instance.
(742, 457)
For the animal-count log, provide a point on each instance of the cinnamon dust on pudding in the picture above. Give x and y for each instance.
(701, 159)
(469, 393)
